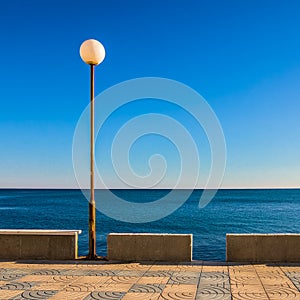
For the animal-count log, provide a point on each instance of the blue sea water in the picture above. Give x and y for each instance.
(231, 211)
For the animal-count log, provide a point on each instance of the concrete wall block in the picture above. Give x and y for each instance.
(263, 247)
(39, 244)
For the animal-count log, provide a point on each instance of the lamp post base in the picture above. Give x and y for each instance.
(94, 258)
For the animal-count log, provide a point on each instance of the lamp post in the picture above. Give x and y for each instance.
(92, 52)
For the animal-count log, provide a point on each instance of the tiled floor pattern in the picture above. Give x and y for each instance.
(145, 281)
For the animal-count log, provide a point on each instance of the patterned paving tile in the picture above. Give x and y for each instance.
(36, 266)
(294, 278)
(141, 296)
(164, 267)
(183, 280)
(184, 291)
(90, 279)
(151, 280)
(225, 286)
(65, 279)
(48, 278)
(34, 295)
(46, 286)
(158, 274)
(130, 273)
(187, 273)
(220, 269)
(296, 282)
(119, 287)
(239, 265)
(8, 294)
(76, 272)
(213, 277)
(177, 296)
(213, 289)
(215, 284)
(105, 296)
(122, 279)
(138, 266)
(18, 271)
(258, 289)
(244, 279)
(290, 268)
(277, 280)
(211, 296)
(241, 272)
(9, 277)
(102, 273)
(188, 268)
(17, 286)
(170, 269)
(249, 296)
(93, 280)
(276, 292)
(270, 272)
(81, 287)
(47, 272)
(147, 288)
(113, 267)
(214, 280)
(292, 273)
(63, 295)
(34, 278)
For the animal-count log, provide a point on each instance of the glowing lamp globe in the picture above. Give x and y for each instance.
(92, 52)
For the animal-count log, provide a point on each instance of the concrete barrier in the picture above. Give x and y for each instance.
(39, 244)
(149, 247)
(263, 247)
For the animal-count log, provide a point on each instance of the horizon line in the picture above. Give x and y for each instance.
(163, 188)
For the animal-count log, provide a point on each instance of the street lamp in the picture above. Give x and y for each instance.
(92, 52)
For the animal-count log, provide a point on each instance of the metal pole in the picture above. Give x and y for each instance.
(92, 204)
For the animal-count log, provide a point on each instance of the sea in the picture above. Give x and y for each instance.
(230, 211)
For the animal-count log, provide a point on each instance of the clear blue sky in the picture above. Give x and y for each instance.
(242, 56)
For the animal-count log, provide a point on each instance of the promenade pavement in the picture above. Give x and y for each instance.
(76, 280)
